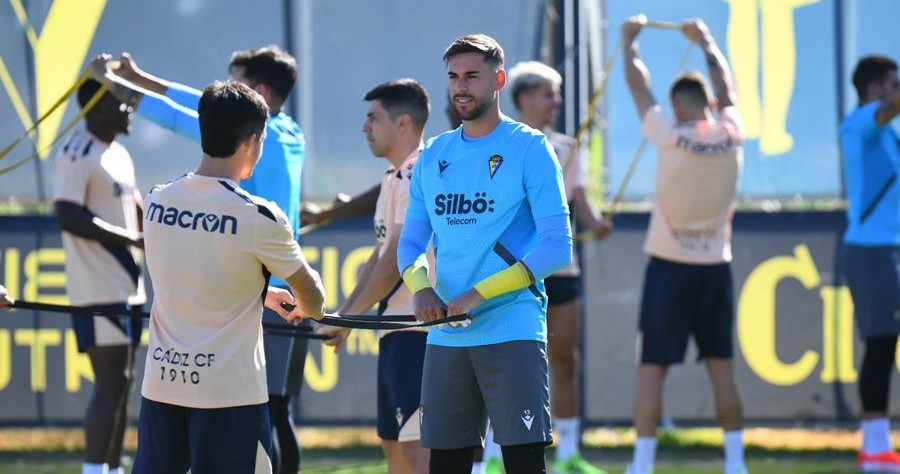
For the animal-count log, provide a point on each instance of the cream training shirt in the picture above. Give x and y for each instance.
(210, 247)
(99, 176)
(696, 182)
(390, 214)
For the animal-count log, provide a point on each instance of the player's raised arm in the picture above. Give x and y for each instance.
(636, 73)
(719, 72)
(160, 109)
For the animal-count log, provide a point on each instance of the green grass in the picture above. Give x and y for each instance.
(369, 460)
(356, 450)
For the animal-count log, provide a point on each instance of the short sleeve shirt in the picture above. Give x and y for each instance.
(696, 183)
(100, 177)
(210, 248)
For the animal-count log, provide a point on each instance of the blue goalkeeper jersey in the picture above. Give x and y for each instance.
(276, 177)
(481, 197)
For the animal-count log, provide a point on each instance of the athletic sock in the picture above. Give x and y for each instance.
(491, 449)
(118, 470)
(876, 436)
(477, 467)
(90, 468)
(567, 430)
(734, 450)
(644, 454)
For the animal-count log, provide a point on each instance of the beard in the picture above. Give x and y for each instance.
(480, 107)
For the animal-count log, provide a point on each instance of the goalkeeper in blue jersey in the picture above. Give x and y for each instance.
(490, 193)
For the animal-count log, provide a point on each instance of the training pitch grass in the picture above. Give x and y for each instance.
(355, 450)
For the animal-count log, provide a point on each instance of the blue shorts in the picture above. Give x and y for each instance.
(562, 289)
(89, 332)
(401, 356)
(173, 439)
(873, 275)
(683, 300)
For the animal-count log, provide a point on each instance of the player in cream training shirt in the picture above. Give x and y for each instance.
(211, 249)
(688, 291)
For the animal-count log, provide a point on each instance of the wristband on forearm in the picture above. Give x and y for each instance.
(510, 279)
(416, 278)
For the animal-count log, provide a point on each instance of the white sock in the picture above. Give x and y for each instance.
(644, 454)
(491, 449)
(477, 467)
(89, 468)
(118, 470)
(567, 430)
(734, 449)
(876, 435)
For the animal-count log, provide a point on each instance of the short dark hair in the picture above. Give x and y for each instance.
(690, 87)
(869, 69)
(403, 96)
(477, 43)
(229, 112)
(86, 91)
(269, 65)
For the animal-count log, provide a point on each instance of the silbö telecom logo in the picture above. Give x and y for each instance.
(453, 205)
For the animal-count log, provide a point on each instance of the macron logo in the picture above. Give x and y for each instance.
(172, 216)
(528, 419)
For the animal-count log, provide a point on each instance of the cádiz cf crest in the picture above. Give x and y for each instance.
(494, 163)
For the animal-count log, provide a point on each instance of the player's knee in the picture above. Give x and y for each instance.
(413, 452)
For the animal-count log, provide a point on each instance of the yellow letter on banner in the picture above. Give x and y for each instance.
(322, 380)
(36, 280)
(78, 365)
(837, 343)
(756, 317)
(11, 267)
(362, 342)
(38, 339)
(5, 359)
(350, 268)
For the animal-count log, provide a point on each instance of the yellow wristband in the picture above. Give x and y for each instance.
(513, 278)
(416, 278)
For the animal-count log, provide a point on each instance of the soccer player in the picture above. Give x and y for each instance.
(394, 125)
(210, 248)
(871, 250)
(687, 287)
(98, 208)
(491, 195)
(535, 92)
(362, 203)
(272, 73)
